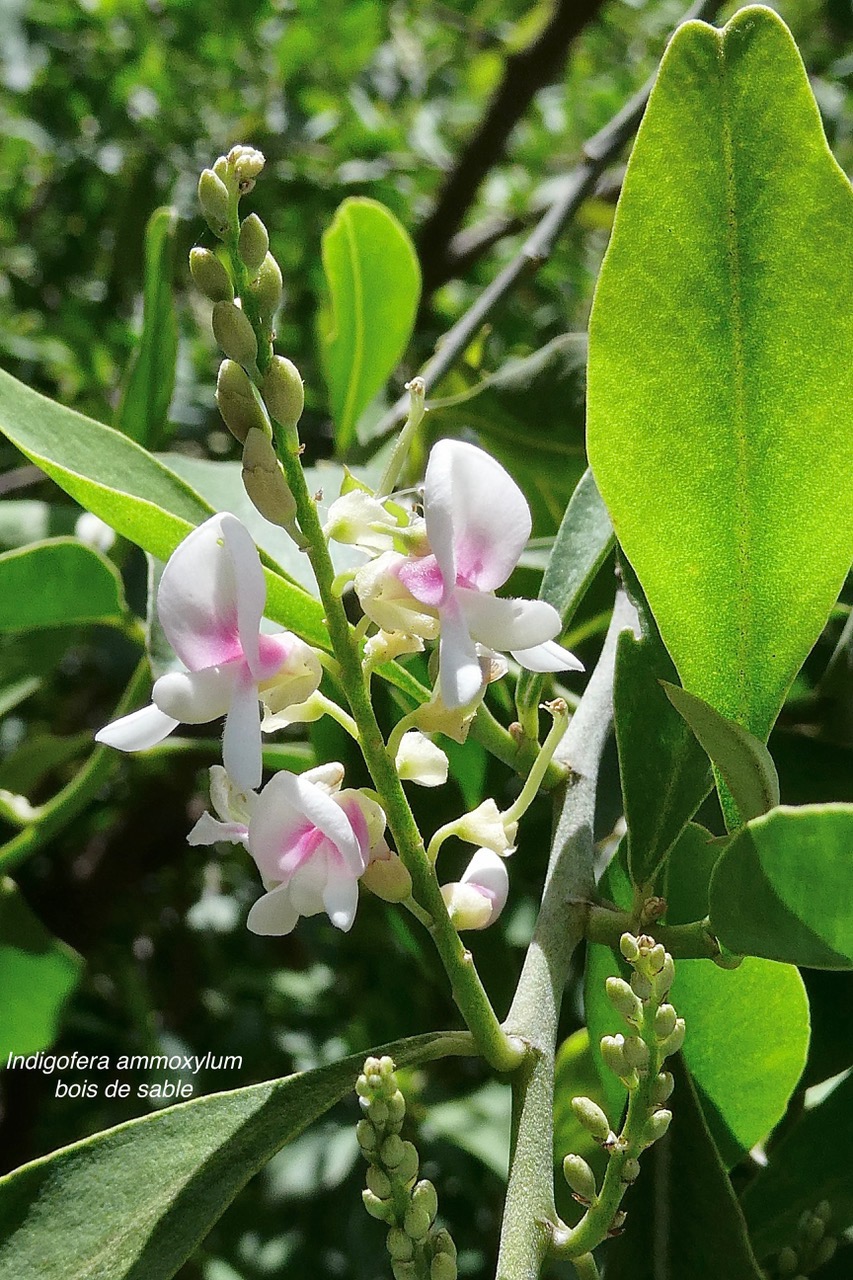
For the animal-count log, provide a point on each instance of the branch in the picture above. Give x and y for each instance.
(535, 1012)
(525, 73)
(598, 152)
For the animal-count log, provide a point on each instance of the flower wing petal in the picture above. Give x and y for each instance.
(507, 624)
(194, 697)
(459, 671)
(340, 898)
(209, 830)
(549, 656)
(138, 731)
(241, 741)
(273, 915)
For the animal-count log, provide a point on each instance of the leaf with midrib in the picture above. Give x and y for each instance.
(720, 384)
(133, 1202)
(58, 583)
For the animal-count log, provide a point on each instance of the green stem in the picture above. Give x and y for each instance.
(534, 1016)
(51, 817)
(586, 1267)
(417, 391)
(535, 777)
(683, 941)
(468, 992)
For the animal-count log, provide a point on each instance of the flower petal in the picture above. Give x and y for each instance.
(340, 898)
(284, 806)
(197, 598)
(507, 624)
(241, 740)
(488, 872)
(459, 671)
(477, 518)
(273, 915)
(251, 588)
(138, 731)
(209, 830)
(420, 760)
(549, 656)
(194, 697)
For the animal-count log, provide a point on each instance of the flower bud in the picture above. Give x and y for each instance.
(283, 391)
(662, 981)
(665, 1020)
(238, 404)
(267, 288)
(420, 760)
(362, 1088)
(399, 1245)
(655, 959)
(823, 1210)
(366, 1135)
(612, 1053)
(396, 1107)
(233, 330)
(815, 1229)
(641, 986)
(214, 200)
(416, 1223)
(630, 1170)
(476, 901)
(636, 1053)
(624, 1000)
(580, 1177)
(662, 1087)
(375, 1207)
(378, 1182)
(407, 1170)
(377, 1112)
(824, 1251)
(425, 1197)
(387, 877)
(443, 1267)
(673, 1042)
(787, 1262)
(210, 276)
(254, 242)
(442, 1242)
(628, 947)
(220, 168)
(392, 1151)
(656, 1126)
(359, 519)
(264, 482)
(592, 1118)
(404, 1270)
(247, 164)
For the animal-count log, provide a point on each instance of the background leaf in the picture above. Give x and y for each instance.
(150, 381)
(132, 1203)
(374, 283)
(37, 975)
(719, 388)
(782, 888)
(58, 583)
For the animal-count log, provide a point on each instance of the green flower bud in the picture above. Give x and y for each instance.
(580, 1177)
(636, 1053)
(824, 1251)
(665, 1020)
(641, 986)
(815, 1229)
(823, 1210)
(283, 391)
(630, 1170)
(407, 1170)
(656, 1126)
(592, 1118)
(787, 1263)
(674, 1042)
(442, 1242)
(379, 1182)
(361, 1086)
(371, 1066)
(425, 1197)
(214, 200)
(396, 1107)
(628, 947)
(366, 1135)
(443, 1267)
(663, 1087)
(254, 243)
(378, 1112)
(375, 1207)
(613, 1054)
(399, 1245)
(655, 959)
(386, 1066)
(624, 1000)
(234, 333)
(240, 408)
(392, 1151)
(247, 164)
(416, 1223)
(662, 981)
(210, 276)
(404, 1270)
(264, 482)
(220, 168)
(267, 288)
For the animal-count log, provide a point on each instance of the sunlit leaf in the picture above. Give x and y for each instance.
(37, 975)
(58, 583)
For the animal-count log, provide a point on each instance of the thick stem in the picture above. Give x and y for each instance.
(534, 1016)
(691, 941)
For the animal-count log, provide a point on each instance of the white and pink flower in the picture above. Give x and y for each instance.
(476, 901)
(210, 603)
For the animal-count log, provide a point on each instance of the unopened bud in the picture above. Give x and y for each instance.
(662, 981)
(787, 1262)
(592, 1118)
(241, 411)
(443, 1267)
(580, 1177)
(824, 1251)
(399, 1245)
(254, 243)
(264, 482)
(823, 1210)
(404, 1270)
(416, 1223)
(233, 330)
(396, 1107)
(283, 391)
(366, 1135)
(425, 1197)
(247, 163)
(656, 1126)
(655, 959)
(375, 1207)
(636, 1053)
(362, 1088)
(388, 878)
(815, 1229)
(214, 200)
(613, 1054)
(663, 1087)
(379, 1182)
(377, 1112)
(267, 288)
(641, 986)
(442, 1242)
(624, 1000)
(628, 947)
(220, 168)
(392, 1151)
(407, 1170)
(665, 1020)
(630, 1170)
(210, 276)
(673, 1043)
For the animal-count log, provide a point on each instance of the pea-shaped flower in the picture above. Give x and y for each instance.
(210, 603)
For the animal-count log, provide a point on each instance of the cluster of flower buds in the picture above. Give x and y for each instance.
(655, 1033)
(394, 1195)
(812, 1248)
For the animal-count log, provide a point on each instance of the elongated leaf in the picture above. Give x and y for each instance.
(584, 539)
(375, 283)
(720, 384)
(810, 1164)
(133, 1202)
(150, 380)
(782, 887)
(744, 763)
(123, 484)
(58, 583)
(37, 975)
(683, 1218)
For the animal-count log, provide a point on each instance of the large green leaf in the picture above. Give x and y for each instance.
(810, 1164)
(782, 888)
(133, 1202)
(150, 380)
(720, 383)
(37, 975)
(123, 484)
(58, 583)
(374, 283)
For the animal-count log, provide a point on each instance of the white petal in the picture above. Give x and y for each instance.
(477, 518)
(488, 872)
(549, 656)
(467, 906)
(138, 731)
(230, 802)
(209, 830)
(195, 697)
(308, 885)
(273, 915)
(284, 806)
(508, 624)
(421, 761)
(485, 826)
(340, 898)
(241, 740)
(459, 670)
(327, 776)
(251, 587)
